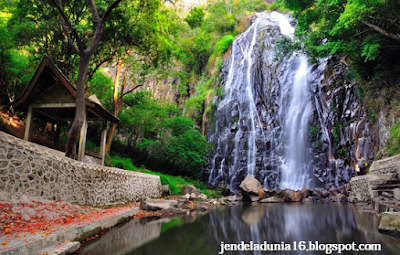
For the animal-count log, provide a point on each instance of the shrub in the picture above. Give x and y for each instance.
(393, 143)
(314, 131)
(118, 162)
(195, 17)
(342, 152)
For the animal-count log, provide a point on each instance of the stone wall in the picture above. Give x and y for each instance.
(386, 166)
(42, 172)
(360, 191)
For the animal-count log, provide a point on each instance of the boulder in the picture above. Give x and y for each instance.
(269, 193)
(231, 198)
(157, 205)
(281, 193)
(251, 189)
(307, 200)
(292, 196)
(324, 194)
(170, 211)
(185, 204)
(193, 196)
(305, 192)
(338, 198)
(202, 197)
(251, 185)
(390, 223)
(189, 189)
(271, 200)
(186, 196)
(316, 194)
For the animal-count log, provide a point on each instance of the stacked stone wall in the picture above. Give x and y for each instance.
(360, 190)
(386, 166)
(42, 172)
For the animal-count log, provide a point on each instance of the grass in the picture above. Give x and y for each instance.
(175, 182)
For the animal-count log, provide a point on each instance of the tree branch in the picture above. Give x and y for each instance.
(95, 13)
(129, 91)
(380, 30)
(109, 9)
(64, 19)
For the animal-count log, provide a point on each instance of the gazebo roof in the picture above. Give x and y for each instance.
(54, 96)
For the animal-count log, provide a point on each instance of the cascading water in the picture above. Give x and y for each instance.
(296, 169)
(262, 123)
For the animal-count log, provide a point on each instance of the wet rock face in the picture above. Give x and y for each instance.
(251, 135)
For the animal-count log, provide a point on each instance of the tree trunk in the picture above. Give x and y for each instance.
(73, 134)
(117, 103)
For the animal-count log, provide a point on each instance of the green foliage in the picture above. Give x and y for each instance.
(92, 147)
(222, 45)
(165, 139)
(393, 142)
(118, 162)
(187, 151)
(195, 17)
(314, 131)
(336, 134)
(101, 84)
(342, 152)
(277, 6)
(318, 145)
(361, 31)
(358, 91)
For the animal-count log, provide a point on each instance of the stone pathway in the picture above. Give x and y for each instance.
(30, 225)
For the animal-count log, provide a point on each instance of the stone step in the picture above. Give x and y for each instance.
(377, 193)
(384, 182)
(384, 186)
(384, 205)
(389, 176)
(387, 194)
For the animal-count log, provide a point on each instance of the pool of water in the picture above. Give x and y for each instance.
(285, 225)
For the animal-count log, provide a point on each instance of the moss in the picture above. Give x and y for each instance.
(88, 234)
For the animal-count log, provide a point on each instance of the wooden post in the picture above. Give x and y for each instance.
(82, 139)
(103, 142)
(57, 144)
(29, 124)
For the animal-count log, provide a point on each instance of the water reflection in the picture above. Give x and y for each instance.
(274, 223)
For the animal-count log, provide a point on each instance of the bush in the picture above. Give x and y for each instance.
(118, 162)
(393, 143)
(195, 17)
(342, 153)
(318, 145)
(314, 131)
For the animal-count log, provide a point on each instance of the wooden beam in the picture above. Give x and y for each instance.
(44, 91)
(51, 116)
(98, 115)
(82, 139)
(54, 105)
(29, 124)
(103, 142)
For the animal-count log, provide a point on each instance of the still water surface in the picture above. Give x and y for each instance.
(332, 223)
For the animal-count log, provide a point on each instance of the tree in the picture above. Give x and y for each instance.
(357, 29)
(93, 31)
(195, 17)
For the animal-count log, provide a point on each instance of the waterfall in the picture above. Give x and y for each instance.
(296, 169)
(262, 122)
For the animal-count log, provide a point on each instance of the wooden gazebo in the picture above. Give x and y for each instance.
(50, 96)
